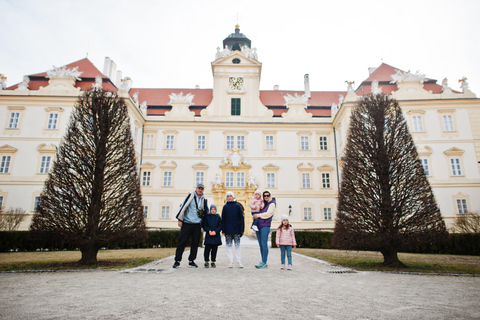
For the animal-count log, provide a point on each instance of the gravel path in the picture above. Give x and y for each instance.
(312, 290)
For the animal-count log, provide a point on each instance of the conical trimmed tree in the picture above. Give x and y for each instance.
(385, 201)
(92, 195)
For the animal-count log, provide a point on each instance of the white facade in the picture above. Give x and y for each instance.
(236, 137)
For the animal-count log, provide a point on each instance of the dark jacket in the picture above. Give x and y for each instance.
(232, 218)
(212, 222)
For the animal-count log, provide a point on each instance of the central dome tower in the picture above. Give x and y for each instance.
(235, 41)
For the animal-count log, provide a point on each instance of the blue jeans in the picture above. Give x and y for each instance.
(288, 250)
(262, 237)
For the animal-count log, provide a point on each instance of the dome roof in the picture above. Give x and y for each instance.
(236, 40)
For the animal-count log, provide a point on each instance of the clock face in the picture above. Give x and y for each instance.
(236, 83)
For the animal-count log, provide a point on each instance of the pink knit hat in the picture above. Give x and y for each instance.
(259, 192)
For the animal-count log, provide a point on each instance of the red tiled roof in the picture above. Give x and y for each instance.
(160, 97)
(88, 69)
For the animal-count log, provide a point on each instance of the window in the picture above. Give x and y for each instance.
(305, 180)
(199, 178)
(304, 143)
(1, 202)
(13, 122)
(145, 212)
(241, 142)
(5, 164)
(323, 143)
(268, 142)
(201, 142)
(240, 179)
(456, 167)
(448, 122)
(36, 202)
(270, 180)
(45, 164)
(146, 178)
(52, 121)
(417, 124)
(462, 206)
(235, 111)
(326, 180)
(149, 141)
(135, 134)
(229, 179)
(230, 142)
(327, 213)
(426, 169)
(307, 213)
(165, 212)
(167, 179)
(169, 143)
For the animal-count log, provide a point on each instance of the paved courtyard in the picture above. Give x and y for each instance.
(312, 290)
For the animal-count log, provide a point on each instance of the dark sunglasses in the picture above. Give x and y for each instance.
(266, 195)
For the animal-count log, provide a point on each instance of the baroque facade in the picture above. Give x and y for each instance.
(236, 137)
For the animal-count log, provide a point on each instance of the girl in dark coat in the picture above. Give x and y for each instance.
(212, 224)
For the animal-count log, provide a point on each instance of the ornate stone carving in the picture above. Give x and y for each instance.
(235, 159)
(350, 85)
(222, 54)
(401, 76)
(126, 84)
(143, 107)
(445, 88)
(135, 98)
(249, 52)
(174, 97)
(98, 83)
(375, 89)
(217, 181)
(3, 82)
(24, 84)
(63, 72)
(252, 181)
(464, 84)
(296, 99)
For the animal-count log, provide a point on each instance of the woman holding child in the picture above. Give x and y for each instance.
(265, 215)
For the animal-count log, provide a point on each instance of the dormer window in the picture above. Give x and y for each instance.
(236, 61)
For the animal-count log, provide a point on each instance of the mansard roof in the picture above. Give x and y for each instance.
(89, 72)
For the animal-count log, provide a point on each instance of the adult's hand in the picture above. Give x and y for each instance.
(255, 216)
(180, 223)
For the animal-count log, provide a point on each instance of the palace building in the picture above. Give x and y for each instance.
(236, 137)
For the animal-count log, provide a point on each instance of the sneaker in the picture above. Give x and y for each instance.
(255, 228)
(176, 264)
(192, 264)
(206, 264)
(289, 267)
(213, 264)
(231, 264)
(260, 265)
(240, 265)
(282, 266)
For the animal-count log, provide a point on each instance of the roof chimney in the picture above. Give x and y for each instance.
(276, 87)
(307, 86)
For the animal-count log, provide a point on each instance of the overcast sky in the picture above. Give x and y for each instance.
(170, 44)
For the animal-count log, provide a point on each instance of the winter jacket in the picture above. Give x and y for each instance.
(256, 205)
(232, 218)
(285, 237)
(186, 203)
(267, 213)
(212, 222)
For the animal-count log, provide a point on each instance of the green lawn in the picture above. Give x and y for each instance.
(61, 260)
(372, 261)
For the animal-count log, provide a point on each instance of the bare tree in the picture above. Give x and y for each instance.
(385, 200)
(92, 195)
(11, 219)
(467, 223)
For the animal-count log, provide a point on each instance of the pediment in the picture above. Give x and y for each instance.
(454, 152)
(325, 167)
(200, 166)
(7, 149)
(147, 165)
(47, 148)
(270, 167)
(305, 166)
(168, 164)
(244, 61)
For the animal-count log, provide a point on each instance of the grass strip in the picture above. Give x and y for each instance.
(372, 261)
